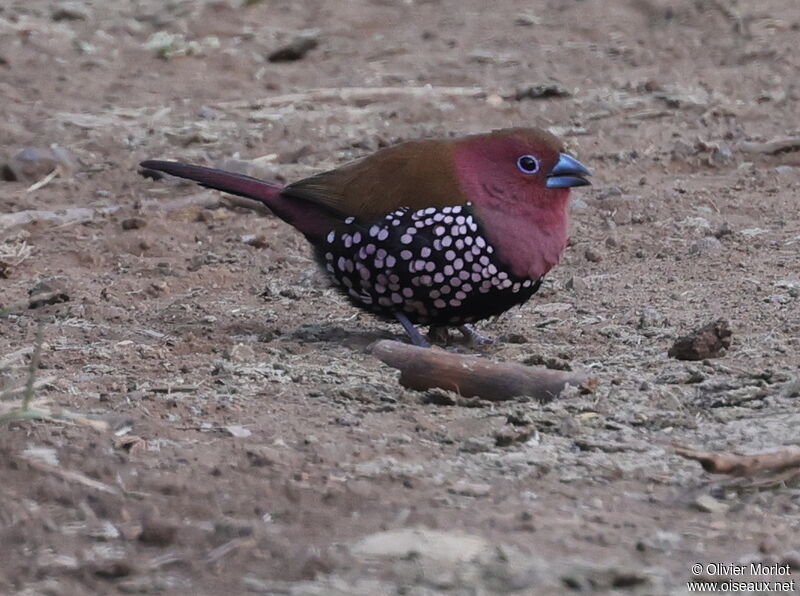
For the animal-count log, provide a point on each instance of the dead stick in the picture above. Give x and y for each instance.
(769, 147)
(735, 464)
(474, 376)
(80, 214)
(354, 94)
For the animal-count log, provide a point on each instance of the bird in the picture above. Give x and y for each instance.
(437, 232)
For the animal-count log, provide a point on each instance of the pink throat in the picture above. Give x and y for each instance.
(529, 237)
(527, 224)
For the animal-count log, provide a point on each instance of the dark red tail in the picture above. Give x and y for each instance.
(312, 220)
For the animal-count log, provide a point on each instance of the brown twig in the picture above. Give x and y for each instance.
(769, 147)
(474, 376)
(80, 214)
(735, 464)
(354, 94)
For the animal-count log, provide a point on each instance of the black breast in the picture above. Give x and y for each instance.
(434, 265)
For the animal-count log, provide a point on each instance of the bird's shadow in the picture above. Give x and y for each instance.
(336, 334)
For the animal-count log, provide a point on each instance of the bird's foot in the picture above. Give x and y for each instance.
(439, 335)
(414, 335)
(474, 337)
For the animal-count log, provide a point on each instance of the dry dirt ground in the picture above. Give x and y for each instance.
(219, 424)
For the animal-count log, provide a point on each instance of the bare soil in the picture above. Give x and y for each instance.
(219, 424)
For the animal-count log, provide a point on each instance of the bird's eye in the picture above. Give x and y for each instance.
(528, 164)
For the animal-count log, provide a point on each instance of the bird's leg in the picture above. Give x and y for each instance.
(414, 335)
(474, 337)
(439, 335)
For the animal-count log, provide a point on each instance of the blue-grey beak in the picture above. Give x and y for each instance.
(568, 172)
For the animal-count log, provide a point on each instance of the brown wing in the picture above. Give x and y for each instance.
(415, 174)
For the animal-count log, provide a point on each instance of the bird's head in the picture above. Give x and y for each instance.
(517, 165)
(519, 182)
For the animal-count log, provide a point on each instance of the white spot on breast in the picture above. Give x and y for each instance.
(447, 241)
(357, 238)
(406, 239)
(331, 237)
(406, 255)
(430, 266)
(408, 292)
(438, 230)
(448, 270)
(397, 298)
(438, 278)
(425, 252)
(364, 272)
(445, 289)
(348, 241)
(373, 231)
(370, 249)
(418, 265)
(328, 256)
(455, 302)
(430, 211)
(390, 261)
(349, 220)
(383, 234)
(439, 303)
(480, 241)
(458, 264)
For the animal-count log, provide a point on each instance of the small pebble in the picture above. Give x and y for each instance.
(296, 49)
(707, 342)
(133, 223)
(593, 255)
